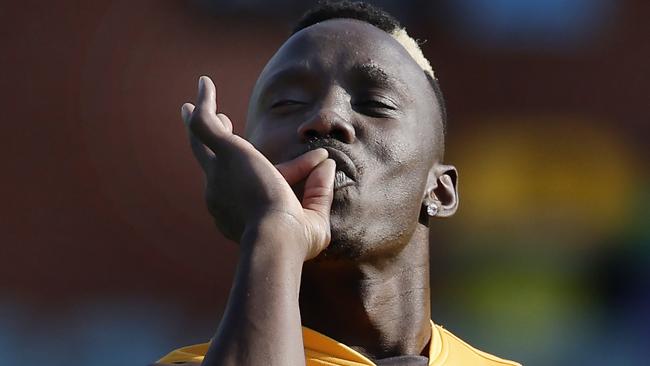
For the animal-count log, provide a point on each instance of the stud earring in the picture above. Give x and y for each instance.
(432, 209)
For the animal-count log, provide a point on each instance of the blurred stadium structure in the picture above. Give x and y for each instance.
(109, 258)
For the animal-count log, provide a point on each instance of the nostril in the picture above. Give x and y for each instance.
(340, 134)
(310, 134)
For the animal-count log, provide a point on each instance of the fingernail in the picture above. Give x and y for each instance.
(201, 84)
(185, 114)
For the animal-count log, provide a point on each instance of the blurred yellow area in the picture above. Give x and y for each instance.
(524, 175)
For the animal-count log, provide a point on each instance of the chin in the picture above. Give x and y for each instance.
(339, 252)
(346, 242)
(356, 237)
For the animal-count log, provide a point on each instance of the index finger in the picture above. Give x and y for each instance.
(207, 95)
(299, 168)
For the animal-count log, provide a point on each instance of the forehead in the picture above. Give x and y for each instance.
(345, 45)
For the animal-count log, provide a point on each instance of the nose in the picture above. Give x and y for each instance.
(331, 120)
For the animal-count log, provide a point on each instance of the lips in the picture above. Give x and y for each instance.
(346, 173)
(341, 180)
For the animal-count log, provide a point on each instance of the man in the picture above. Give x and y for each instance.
(329, 198)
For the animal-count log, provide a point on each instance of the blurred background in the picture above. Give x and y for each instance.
(108, 256)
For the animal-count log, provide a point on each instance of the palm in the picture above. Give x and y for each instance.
(243, 185)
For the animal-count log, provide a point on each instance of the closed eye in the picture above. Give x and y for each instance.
(375, 104)
(375, 108)
(285, 103)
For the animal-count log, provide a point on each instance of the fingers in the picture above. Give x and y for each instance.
(225, 121)
(207, 95)
(201, 152)
(212, 129)
(319, 188)
(207, 129)
(299, 168)
(186, 112)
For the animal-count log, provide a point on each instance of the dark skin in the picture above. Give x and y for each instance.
(326, 196)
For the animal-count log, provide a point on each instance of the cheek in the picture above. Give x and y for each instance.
(397, 171)
(274, 141)
(398, 153)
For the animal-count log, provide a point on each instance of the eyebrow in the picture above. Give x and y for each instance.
(373, 74)
(368, 74)
(289, 74)
(295, 74)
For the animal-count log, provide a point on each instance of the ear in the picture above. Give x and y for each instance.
(442, 189)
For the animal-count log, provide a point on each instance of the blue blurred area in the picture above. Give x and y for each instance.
(99, 332)
(530, 23)
(534, 24)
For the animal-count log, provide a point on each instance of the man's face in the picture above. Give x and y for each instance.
(351, 88)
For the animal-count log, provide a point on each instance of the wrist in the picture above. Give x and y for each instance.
(273, 242)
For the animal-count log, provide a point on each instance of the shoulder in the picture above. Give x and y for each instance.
(455, 351)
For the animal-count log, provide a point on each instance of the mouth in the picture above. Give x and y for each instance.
(341, 180)
(346, 174)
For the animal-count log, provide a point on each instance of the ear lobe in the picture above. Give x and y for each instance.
(445, 191)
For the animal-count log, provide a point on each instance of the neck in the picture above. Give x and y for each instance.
(379, 308)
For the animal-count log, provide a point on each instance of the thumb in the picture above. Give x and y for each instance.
(319, 188)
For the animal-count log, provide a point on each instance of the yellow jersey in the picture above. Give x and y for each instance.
(445, 350)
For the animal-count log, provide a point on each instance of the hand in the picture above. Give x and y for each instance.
(245, 190)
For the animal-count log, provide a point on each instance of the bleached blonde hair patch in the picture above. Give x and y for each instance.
(413, 48)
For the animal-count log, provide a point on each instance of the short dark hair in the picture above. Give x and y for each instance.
(327, 9)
